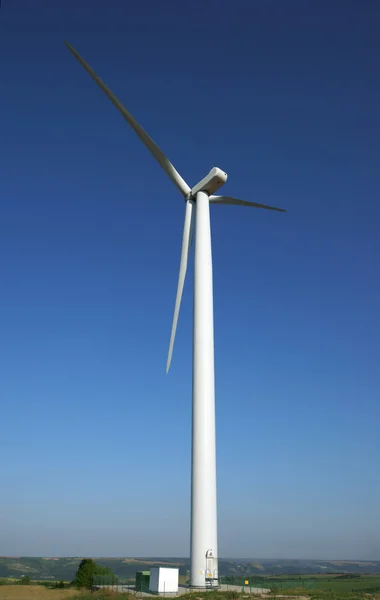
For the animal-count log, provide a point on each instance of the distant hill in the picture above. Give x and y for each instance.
(65, 568)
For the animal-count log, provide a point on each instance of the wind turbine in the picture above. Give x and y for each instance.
(204, 542)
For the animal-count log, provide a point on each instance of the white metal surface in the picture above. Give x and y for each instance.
(164, 580)
(237, 202)
(186, 242)
(211, 183)
(203, 481)
(144, 137)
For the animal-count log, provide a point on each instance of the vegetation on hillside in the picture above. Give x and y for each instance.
(125, 568)
(348, 586)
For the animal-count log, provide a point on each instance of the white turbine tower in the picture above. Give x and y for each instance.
(204, 541)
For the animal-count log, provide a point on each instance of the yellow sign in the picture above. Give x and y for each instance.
(246, 582)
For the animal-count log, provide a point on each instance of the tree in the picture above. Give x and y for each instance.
(88, 570)
(85, 574)
(25, 580)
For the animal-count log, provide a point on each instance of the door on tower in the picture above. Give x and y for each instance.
(212, 578)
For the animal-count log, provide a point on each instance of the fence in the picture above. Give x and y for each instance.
(343, 583)
(230, 583)
(252, 584)
(128, 586)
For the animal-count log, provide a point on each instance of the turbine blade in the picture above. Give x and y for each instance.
(144, 137)
(235, 201)
(186, 241)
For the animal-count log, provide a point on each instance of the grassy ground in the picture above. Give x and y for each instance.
(233, 595)
(339, 584)
(34, 592)
(38, 592)
(327, 595)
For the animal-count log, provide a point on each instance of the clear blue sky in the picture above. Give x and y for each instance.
(95, 439)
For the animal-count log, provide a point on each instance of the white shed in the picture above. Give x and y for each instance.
(163, 580)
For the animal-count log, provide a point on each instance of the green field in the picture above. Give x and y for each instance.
(339, 583)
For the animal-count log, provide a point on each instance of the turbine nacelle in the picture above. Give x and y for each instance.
(210, 184)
